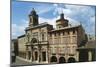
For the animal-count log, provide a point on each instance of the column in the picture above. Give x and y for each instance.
(57, 58)
(89, 56)
(46, 56)
(26, 54)
(41, 56)
(77, 56)
(31, 56)
(49, 54)
(38, 56)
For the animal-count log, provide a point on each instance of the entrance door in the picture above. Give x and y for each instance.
(83, 56)
(43, 56)
(36, 55)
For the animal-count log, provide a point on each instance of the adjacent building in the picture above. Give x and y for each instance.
(14, 50)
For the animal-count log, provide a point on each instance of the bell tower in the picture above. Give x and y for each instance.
(62, 22)
(33, 18)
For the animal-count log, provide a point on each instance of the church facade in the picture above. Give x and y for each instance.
(43, 44)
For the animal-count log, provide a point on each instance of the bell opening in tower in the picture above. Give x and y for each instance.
(33, 18)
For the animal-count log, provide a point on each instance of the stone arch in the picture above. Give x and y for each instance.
(71, 60)
(62, 60)
(53, 59)
(34, 40)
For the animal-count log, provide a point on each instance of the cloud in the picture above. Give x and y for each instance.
(92, 19)
(91, 25)
(83, 14)
(76, 14)
(44, 10)
(50, 21)
(59, 10)
(56, 5)
(18, 29)
(53, 21)
(72, 10)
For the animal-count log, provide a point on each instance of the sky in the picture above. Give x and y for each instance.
(49, 12)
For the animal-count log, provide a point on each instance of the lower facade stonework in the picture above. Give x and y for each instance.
(45, 58)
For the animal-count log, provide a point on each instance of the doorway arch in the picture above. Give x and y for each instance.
(62, 60)
(53, 59)
(71, 60)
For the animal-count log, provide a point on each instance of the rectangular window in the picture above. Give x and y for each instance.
(68, 32)
(51, 50)
(63, 33)
(59, 40)
(43, 56)
(73, 31)
(50, 35)
(36, 55)
(74, 40)
(64, 40)
(55, 34)
(59, 34)
(68, 40)
(55, 41)
(71, 50)
(43, 35)
(50, 41)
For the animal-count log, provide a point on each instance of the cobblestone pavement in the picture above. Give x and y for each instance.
(21, 62)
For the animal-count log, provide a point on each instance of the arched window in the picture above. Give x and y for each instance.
(71, 60)
(62, 60)
(53, 59)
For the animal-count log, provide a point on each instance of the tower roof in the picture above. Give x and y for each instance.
(61, 18)
(33, 12)
(62, 15)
